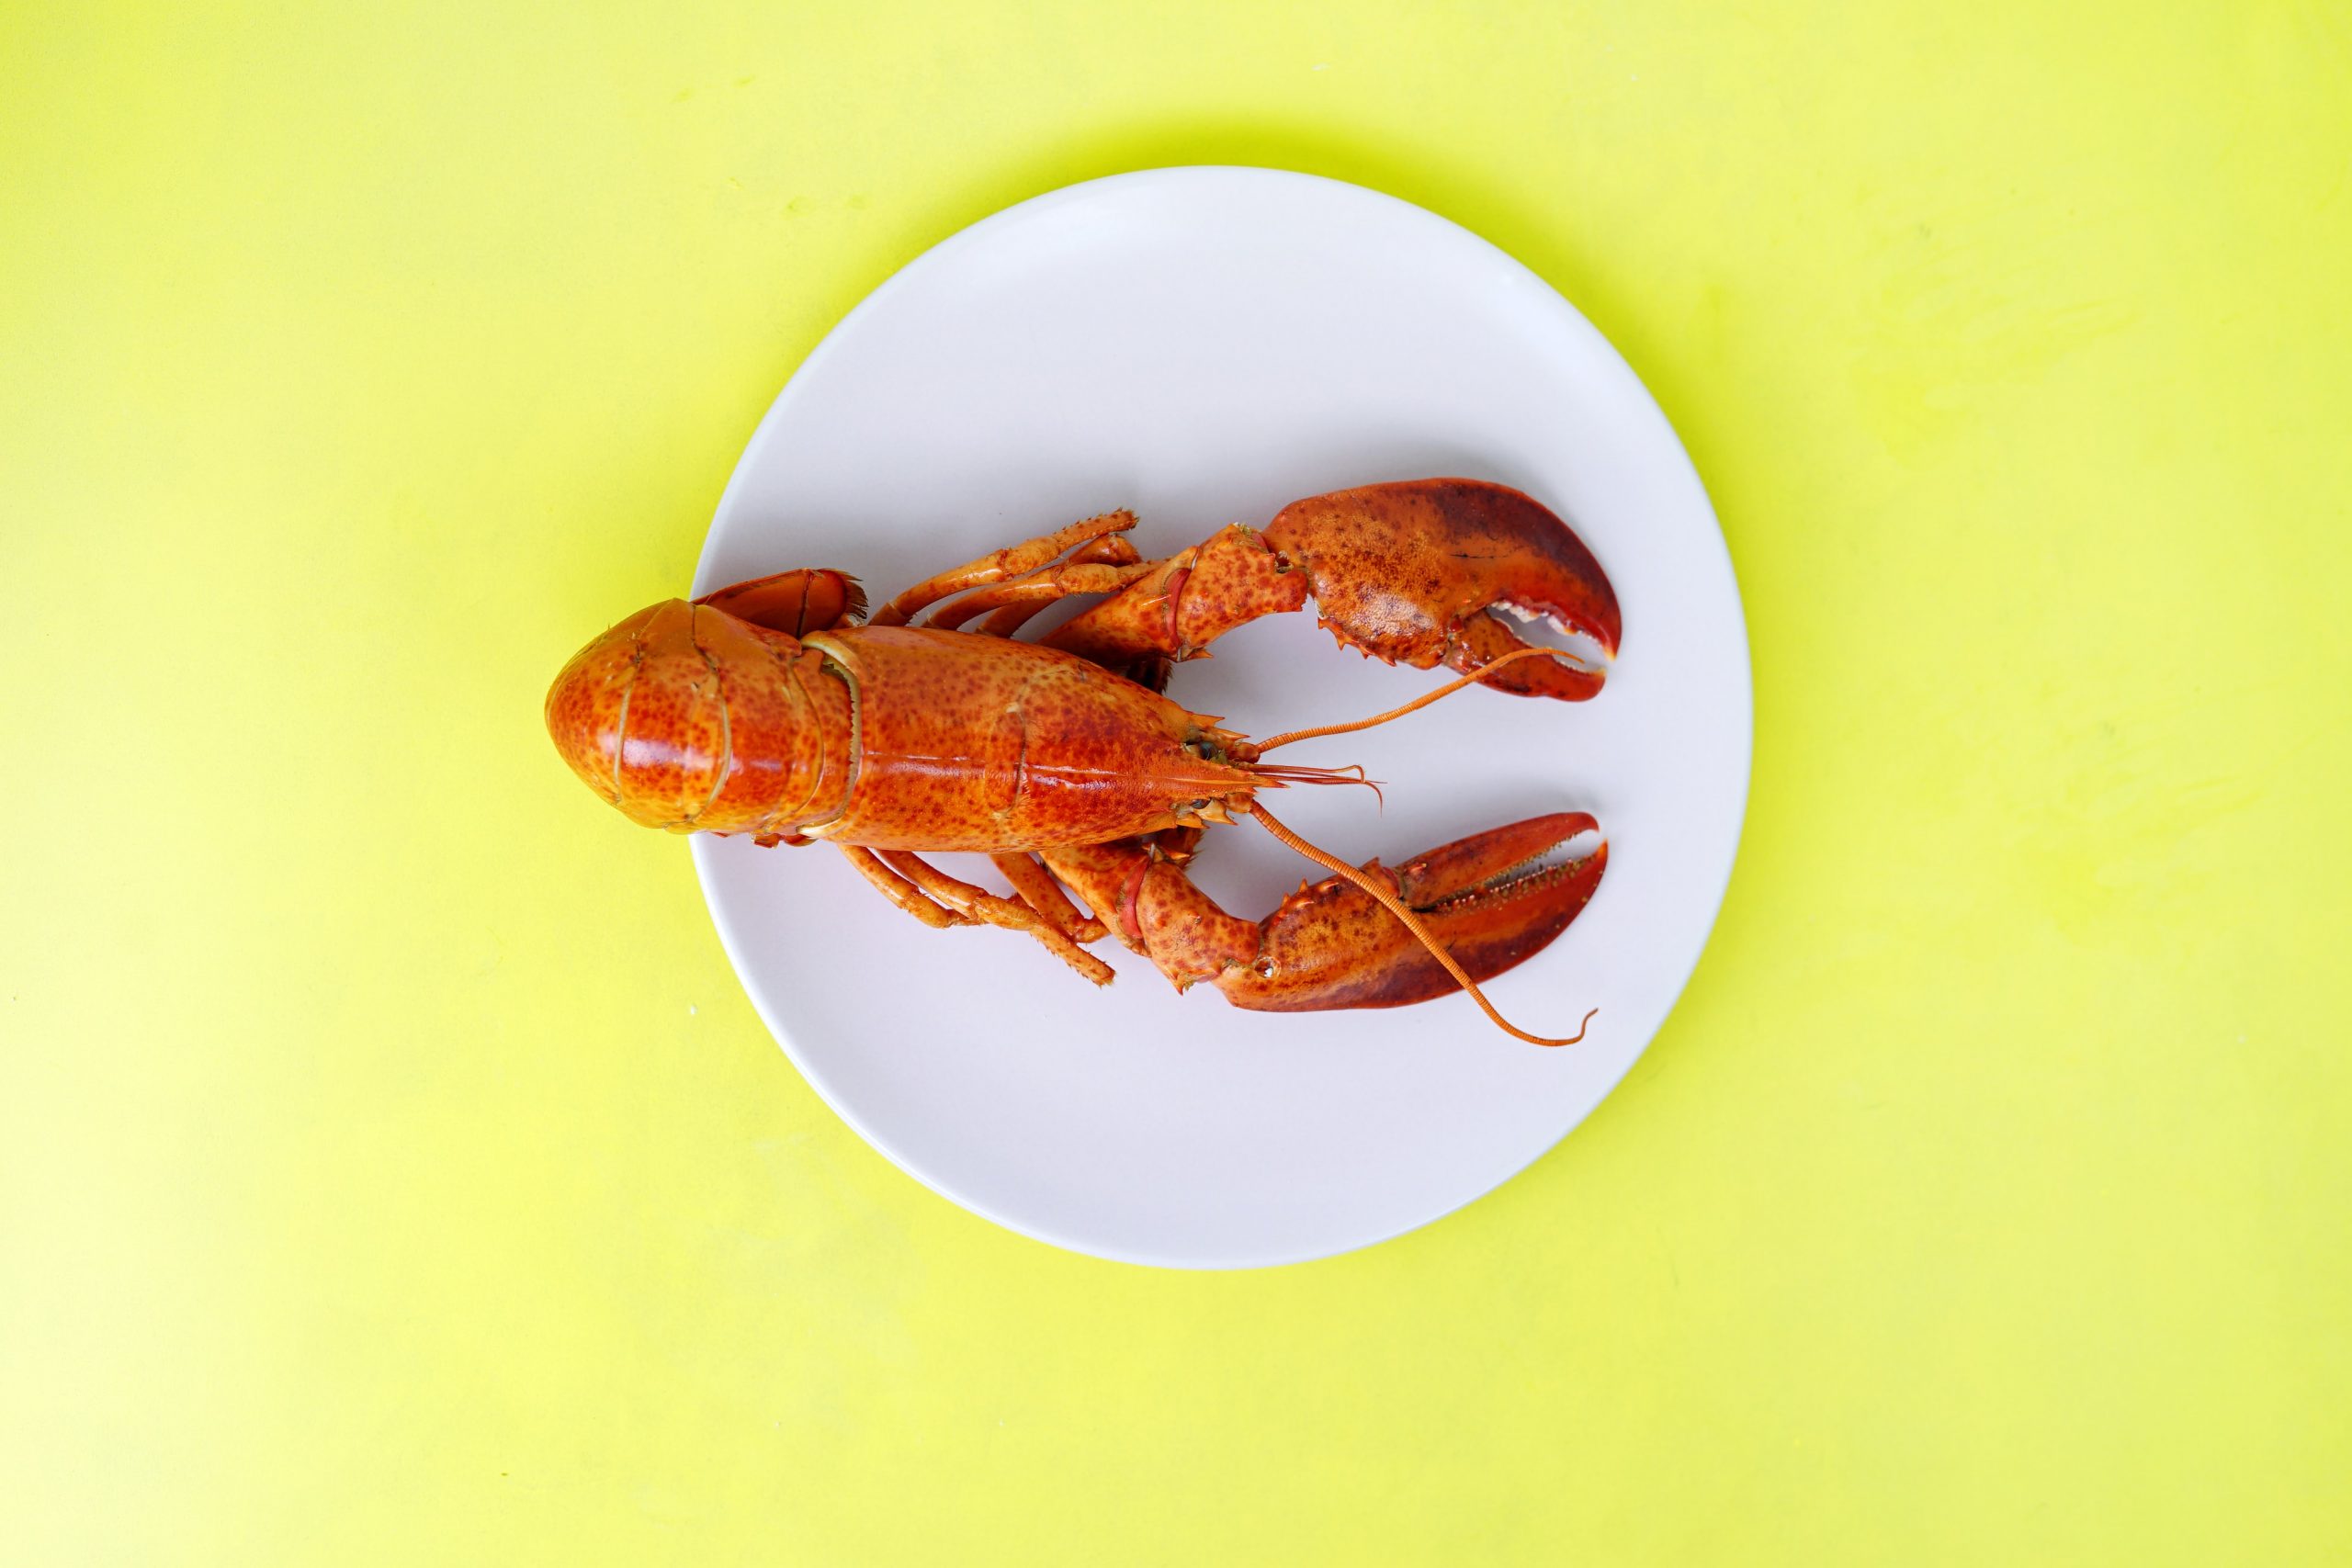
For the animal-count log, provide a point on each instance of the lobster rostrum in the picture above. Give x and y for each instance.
(766, 708)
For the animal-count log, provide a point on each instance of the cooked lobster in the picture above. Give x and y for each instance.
(766, 708)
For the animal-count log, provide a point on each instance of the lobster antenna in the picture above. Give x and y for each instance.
(1418, 702)
(1390, 902)
(1353, 773)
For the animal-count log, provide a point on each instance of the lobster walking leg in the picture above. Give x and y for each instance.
(979, 904)
(1493, 899)
(1411, 573)
(1039, 588)
(1017, 560)
(1038, 889)
(1112, 550)
(900, 891)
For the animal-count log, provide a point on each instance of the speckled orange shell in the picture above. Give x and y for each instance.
(984, 743)
(690, 719)
(1405, 569)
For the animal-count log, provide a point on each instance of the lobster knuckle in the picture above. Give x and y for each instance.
(1236, 579)
(1100, 876)
(1185, 930)
(1133, 627)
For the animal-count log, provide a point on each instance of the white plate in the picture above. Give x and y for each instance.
(1204, 344)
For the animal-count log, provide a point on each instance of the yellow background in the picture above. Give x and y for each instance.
(391, 1171)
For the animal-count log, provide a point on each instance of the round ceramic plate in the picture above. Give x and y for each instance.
(1203, 345)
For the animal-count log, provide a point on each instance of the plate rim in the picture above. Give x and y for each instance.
(1719, 556)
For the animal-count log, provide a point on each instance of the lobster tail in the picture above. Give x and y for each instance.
(687, 718)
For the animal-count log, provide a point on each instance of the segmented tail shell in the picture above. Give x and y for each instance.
(689, 719)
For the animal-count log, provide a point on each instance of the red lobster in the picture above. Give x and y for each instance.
(766, 708)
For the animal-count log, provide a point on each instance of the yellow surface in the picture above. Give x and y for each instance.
(391, 1171)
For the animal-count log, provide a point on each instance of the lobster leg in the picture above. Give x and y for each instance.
(1000, 565)
(1041, 588)
(1411, 573)
(1494, 900)
(1038, 889)
(900, 891)
(979, 904)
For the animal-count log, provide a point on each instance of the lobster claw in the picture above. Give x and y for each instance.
(1494, 900)
(1410, 573)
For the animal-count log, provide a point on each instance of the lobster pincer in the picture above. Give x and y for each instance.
(1491, 900)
